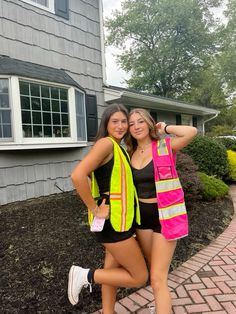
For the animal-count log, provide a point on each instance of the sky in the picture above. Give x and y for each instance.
(115, 75)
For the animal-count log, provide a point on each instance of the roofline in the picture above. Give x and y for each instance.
(118, 94)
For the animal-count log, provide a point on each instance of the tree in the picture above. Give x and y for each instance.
(227, 57)
(165, 43)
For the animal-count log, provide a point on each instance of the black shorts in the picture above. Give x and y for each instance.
(108, 234)
(149, 217)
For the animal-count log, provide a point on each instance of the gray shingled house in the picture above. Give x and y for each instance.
(52, 93)
(51, 89)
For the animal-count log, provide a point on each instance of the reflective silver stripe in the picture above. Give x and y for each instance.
(115, 196)
(162, 148)
(168, 185)
(172, 211)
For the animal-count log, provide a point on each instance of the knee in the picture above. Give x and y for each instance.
(141, 279)
(158, 282)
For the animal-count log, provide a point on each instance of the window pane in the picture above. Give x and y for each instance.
(37, 118)
(55, 93)
(37, 131)
(47, 118)
(5, 111)
(36, 104)
(65, 132)
(43, 112)
(80, 116)
(34, 89)
(65, 119)
(26, 117)
(63, 94)
(24, 88)
(25, 102)
(45, 91)
(4, 101)
(47, 131)
(46, 105)
(56, 131)
(7, 130)
(55, 106)
(56, 118)
(27, 131)
(64, 106)
(42, 2)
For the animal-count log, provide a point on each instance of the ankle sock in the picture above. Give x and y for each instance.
(91, 276)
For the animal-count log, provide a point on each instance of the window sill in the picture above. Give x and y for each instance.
(14, 146)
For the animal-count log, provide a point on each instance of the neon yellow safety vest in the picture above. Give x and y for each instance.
(122, 192)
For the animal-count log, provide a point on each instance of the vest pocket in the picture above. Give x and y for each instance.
(165, 172)
(171, 197)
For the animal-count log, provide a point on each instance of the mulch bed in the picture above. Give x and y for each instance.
(41, 238)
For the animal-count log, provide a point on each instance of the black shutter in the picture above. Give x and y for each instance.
(194, 119)
(62, 8)
(178, 119)
(91, 116)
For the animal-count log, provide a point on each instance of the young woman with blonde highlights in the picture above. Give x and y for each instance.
(143, 134)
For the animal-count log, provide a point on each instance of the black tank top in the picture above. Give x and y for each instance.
(144, 181)
(103, 176)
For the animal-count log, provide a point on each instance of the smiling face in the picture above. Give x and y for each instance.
(117, 126)
(138, 127)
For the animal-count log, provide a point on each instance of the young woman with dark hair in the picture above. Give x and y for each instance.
(107, 165)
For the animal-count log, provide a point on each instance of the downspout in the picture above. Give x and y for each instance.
(102, 36)
(204, 121)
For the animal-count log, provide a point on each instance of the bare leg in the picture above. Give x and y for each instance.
(145, 237)
(132, 271)
(109, 292)
(162, 253)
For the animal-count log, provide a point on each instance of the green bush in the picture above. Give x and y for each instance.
(232, 164)
(212, 187)
(210, 156)
(227, 142)
(189, 178)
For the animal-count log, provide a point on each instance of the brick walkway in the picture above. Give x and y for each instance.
(206, 283)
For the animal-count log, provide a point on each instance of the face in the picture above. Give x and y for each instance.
(138, 127)
(117, 125)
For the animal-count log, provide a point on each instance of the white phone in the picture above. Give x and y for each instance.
(97, 224)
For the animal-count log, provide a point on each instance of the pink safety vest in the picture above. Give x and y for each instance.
(170, 196)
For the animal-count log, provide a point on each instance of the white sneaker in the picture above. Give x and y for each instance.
(152, 309)
(78, 278)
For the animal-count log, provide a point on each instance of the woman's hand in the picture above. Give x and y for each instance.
(161, 127)
(103, 210)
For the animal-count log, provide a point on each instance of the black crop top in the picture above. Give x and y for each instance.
(144, 181)
(103, 176)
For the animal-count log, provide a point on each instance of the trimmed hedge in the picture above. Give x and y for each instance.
(210, 156)
(232, 164)
(229, 143)
(213, 188)
(191, 183)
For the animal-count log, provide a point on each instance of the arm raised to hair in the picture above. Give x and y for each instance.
(183, 134)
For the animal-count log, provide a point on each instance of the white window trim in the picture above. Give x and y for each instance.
(20, 142)
(51, 7)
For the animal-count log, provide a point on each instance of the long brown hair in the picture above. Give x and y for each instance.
(107, 113)
(131, 143)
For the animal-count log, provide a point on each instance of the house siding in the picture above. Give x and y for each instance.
(31, 34)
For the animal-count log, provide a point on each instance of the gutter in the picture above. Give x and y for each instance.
(204, 121)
